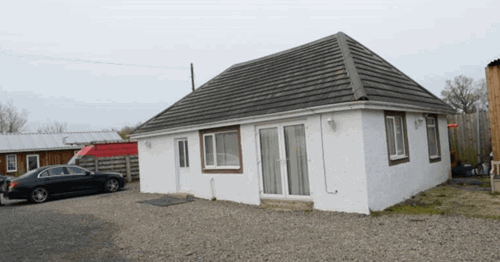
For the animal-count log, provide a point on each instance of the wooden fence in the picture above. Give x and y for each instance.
(463, 139)
(126, 165)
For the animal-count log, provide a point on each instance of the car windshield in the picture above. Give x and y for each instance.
(27, 174)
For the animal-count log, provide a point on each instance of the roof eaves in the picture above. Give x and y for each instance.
(38, 149)
(352, 72)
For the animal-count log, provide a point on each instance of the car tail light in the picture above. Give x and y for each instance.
(13, 184)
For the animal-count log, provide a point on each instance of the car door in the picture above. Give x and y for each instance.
(56, 180)
(80, 180)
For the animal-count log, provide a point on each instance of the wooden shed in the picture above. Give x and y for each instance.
(20, 153)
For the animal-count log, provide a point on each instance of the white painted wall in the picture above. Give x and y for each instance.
(343, 163)
(353, 158)
(157, 169)
(156, 164)
(388, 185)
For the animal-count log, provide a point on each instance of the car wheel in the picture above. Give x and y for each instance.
(39, 195)
(112, 185)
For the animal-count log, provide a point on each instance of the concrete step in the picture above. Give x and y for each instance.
(287, 205)
(182, 195)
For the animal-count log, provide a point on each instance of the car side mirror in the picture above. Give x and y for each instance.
(88, 173)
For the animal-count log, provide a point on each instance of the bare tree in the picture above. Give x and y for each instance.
(53, 127)
(461, 94)
(484, 99)
(124, 131)
(11, 120)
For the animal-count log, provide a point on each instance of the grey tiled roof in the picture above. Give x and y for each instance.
(52, 141)
(334, 69)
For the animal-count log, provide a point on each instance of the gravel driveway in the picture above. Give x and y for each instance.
(115, 227)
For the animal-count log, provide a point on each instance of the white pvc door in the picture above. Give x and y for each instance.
(182, 164)
(283, 160)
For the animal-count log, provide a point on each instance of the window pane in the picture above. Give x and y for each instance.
(77, 170)
(187, 152)
(399, 136)
(270, 157)
(430, 121)
(296, 160)
(431, 133)
(391, 137)
(181, 153)
(227, 149)
(57, 171)
(209, 151)
(32, 162)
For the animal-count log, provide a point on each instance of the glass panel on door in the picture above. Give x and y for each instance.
(270, 157)
(296, 160)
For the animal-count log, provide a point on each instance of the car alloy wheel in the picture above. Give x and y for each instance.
(112, 185)
(39, 195)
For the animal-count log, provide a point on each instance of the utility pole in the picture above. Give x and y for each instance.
(192, 76)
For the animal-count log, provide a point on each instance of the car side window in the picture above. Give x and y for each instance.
(57, 171)
(44, 174)
(77, 170)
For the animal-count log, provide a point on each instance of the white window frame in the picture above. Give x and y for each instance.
(284, 172)
(435, 137)
(214, 152)
(7, 163)
(186, 153)
(37, 162)
(395, 141)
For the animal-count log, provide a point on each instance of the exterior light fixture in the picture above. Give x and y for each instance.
(331, 123)
(418, 122)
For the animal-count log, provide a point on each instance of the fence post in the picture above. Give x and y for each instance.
(96, 163)
(127, 163)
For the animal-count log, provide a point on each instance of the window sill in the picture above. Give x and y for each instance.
(11, 171)
(398, 160)
(434, 159)
(393, 158)
(238, 170)
(223, 168)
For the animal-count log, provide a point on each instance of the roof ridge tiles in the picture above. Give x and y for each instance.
(395, 69)
(352, 72)
(286, 51)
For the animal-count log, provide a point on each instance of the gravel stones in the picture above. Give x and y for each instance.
(115, 227)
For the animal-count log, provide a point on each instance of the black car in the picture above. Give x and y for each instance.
(40, 184)
(4, 181)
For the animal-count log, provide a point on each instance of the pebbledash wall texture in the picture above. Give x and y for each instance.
(348, 166)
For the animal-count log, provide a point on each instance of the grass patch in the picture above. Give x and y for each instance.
(446, 199)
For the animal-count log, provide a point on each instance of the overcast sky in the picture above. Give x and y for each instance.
(106, 63)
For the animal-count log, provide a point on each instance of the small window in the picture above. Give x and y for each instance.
(32, 162)
(11, 163)
(182, 146)
(221, 150)
(433, 138)
(397, 139)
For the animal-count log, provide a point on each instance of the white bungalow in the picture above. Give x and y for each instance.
(329, 122)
